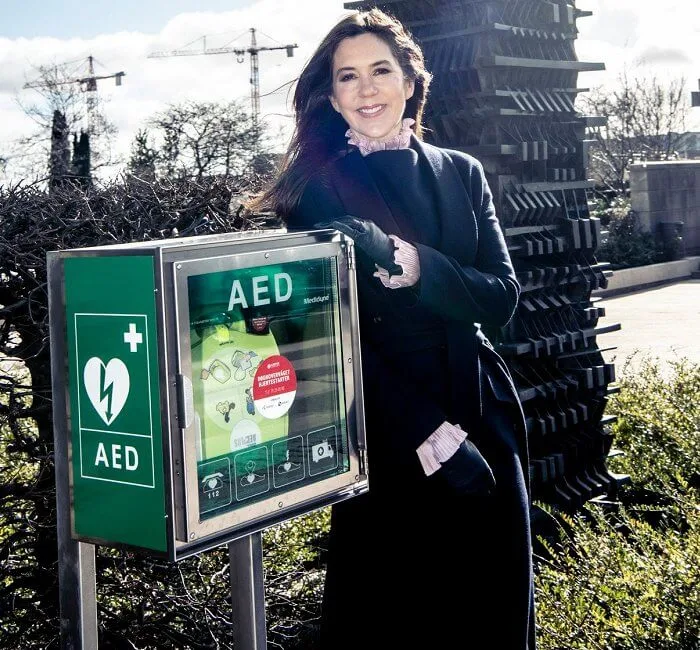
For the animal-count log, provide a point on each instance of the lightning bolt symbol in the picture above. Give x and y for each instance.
(106, 392)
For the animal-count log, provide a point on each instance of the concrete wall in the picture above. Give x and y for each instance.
(641, 277)
(668, 191)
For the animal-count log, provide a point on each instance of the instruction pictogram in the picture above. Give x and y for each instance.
(322, 446)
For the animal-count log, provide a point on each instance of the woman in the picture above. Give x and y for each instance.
(438, 553)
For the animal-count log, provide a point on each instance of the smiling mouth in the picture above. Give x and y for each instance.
(371, 111)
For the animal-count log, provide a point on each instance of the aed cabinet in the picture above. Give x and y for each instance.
(208, 387)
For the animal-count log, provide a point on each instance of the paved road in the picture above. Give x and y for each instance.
(663, 322)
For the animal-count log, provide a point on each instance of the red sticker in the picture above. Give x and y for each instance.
(274, 387)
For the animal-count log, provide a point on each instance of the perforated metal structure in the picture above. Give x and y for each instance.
(504, 88)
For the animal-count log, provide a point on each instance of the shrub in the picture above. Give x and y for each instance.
(618, 583)
(626, 245)
(139, 599)
(157, 605)
(658, 426)
(294, 577)
(627, 578)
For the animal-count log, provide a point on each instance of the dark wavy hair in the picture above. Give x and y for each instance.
(319, 132)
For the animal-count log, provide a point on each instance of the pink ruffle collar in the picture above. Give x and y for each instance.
(399, 141)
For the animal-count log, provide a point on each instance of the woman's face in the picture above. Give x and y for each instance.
(369, 87)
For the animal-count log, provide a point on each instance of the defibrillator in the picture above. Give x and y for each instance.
(225, 360)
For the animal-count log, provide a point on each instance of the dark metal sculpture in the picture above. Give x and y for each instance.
(504, 88)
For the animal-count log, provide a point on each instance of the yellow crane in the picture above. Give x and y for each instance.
(240, 53)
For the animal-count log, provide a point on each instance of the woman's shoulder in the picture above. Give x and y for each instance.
(319, 201)
(469, 169)
(461, 159)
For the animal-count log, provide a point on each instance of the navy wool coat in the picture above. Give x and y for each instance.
(425, 360)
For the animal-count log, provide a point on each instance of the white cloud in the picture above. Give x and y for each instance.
(151, 84)
(660, 36)
(618, 33)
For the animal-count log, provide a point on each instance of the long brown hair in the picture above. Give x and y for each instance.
(319, 132)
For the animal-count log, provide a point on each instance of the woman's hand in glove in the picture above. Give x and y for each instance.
(467, 471)
(370, 238)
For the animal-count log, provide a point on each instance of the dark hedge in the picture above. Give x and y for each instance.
(142, 603)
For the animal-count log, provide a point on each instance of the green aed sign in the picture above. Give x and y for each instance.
(116, 433)
(117, 463)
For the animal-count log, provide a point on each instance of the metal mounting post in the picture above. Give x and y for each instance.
(76, 560)
(248, 593)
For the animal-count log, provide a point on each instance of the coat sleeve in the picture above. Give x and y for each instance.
(486, 292)
(411, 426)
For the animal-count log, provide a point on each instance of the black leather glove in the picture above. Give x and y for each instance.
(370, 238)
(467, 471)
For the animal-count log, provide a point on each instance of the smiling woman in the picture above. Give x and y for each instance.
(438, 554)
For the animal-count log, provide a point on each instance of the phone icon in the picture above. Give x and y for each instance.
(212, 482)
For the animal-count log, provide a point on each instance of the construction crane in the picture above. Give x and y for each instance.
(87, 84)
(240, 53)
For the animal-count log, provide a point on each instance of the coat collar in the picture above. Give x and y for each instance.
(361, 197)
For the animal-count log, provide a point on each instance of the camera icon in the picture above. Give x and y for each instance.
(321, 451)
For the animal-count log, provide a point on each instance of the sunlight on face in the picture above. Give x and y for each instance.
(369, 87)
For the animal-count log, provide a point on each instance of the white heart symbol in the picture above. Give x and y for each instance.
(107, 386)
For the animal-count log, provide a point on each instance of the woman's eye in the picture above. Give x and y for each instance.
(350, 76)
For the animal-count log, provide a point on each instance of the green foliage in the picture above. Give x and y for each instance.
(619, 583)
(19, 476)
(142, 161)
(658, 426)
(628, 579)
(294, 576)
(157, 605)
(627, 244)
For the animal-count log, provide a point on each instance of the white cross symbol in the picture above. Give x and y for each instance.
(132, 337)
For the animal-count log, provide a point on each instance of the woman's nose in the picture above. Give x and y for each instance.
(367, 86)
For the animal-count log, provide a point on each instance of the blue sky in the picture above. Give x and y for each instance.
(89, 18)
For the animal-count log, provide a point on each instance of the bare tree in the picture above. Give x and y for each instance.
(201, 139)
(54, 89)
(646, 116)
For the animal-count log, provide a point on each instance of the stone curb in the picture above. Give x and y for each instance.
(644, 277)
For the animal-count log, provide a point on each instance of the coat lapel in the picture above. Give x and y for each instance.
(360, 195)
(362, 198)
(459, 234)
